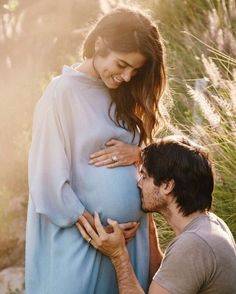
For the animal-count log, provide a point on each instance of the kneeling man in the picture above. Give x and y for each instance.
(177, 182)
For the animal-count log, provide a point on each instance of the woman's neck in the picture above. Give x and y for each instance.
(87, 67)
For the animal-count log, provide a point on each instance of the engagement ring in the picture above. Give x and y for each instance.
(89, 240)
(114, 158)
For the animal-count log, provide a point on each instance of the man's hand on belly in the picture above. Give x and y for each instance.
(129, 229)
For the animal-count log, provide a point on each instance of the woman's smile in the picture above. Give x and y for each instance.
(116, 68)
(117, 80)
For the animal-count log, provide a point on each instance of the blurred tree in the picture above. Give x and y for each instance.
(36, 39)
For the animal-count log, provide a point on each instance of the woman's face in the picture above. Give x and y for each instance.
(117, 68)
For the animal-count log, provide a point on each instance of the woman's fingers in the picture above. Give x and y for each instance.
(98, 154)
(129, 234)
(108, 160)
(129, 230)
(113, 142)
(116, 153)
(101, 161)
(115, 164)
(126, 226)
(104, 157)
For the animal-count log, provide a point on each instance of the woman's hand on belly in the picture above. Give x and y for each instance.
(129, 229)
(116, 153)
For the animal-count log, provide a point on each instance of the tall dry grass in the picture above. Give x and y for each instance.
(201, 50)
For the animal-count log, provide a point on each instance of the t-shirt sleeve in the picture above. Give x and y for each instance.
(50, 164)
(187, 265)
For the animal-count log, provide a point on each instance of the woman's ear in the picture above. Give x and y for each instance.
(98, 44)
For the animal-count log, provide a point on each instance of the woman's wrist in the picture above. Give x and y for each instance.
(138, 154)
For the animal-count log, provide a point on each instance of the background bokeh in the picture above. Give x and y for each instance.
(38, 37)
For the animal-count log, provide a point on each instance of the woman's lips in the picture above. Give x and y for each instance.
(117, 80)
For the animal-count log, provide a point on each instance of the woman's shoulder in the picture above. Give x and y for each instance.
(61, 84)
(54, 95)
(65, 81)
(58, 87)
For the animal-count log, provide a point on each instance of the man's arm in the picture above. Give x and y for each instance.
(127, 281)
(112, 245)
(155, 288)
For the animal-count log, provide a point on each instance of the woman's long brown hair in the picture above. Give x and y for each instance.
(130, 30)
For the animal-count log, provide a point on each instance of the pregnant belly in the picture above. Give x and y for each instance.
(111, 192)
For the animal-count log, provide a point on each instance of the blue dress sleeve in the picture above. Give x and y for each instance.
(50, 164)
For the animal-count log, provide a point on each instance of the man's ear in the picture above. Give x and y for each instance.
(98, 44)
(169, 186)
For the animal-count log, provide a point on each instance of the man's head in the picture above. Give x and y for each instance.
(176, 169)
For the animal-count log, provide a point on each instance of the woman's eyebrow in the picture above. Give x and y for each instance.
(126, 63)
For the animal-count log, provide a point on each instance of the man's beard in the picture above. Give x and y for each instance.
(157, 204)
(143, 208)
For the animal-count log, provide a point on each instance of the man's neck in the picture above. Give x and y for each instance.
(177, 220)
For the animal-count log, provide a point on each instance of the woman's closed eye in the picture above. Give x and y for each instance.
(121, 65)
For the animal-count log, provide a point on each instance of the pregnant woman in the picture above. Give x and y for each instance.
(87, 130)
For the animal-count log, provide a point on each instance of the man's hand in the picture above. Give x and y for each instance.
(110, 244)
(129, 229)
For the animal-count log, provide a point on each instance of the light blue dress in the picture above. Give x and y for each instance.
(71, 121)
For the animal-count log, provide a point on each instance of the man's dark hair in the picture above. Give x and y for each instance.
(188, 165)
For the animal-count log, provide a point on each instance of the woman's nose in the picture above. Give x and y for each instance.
(126, 75)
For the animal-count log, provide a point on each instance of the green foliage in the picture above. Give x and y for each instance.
(183, 24)
(12, 224)
(11, 6)
(16, 291)
(165, 233)
(200, 42)
(201, 48)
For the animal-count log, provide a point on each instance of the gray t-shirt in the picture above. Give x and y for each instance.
(202, 259)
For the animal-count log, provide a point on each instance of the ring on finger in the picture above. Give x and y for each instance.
(114, 158)
(89, 240)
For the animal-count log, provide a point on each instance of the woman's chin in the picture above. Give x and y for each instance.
(111, 84)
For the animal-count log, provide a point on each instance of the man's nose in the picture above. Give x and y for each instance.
(140, 183)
